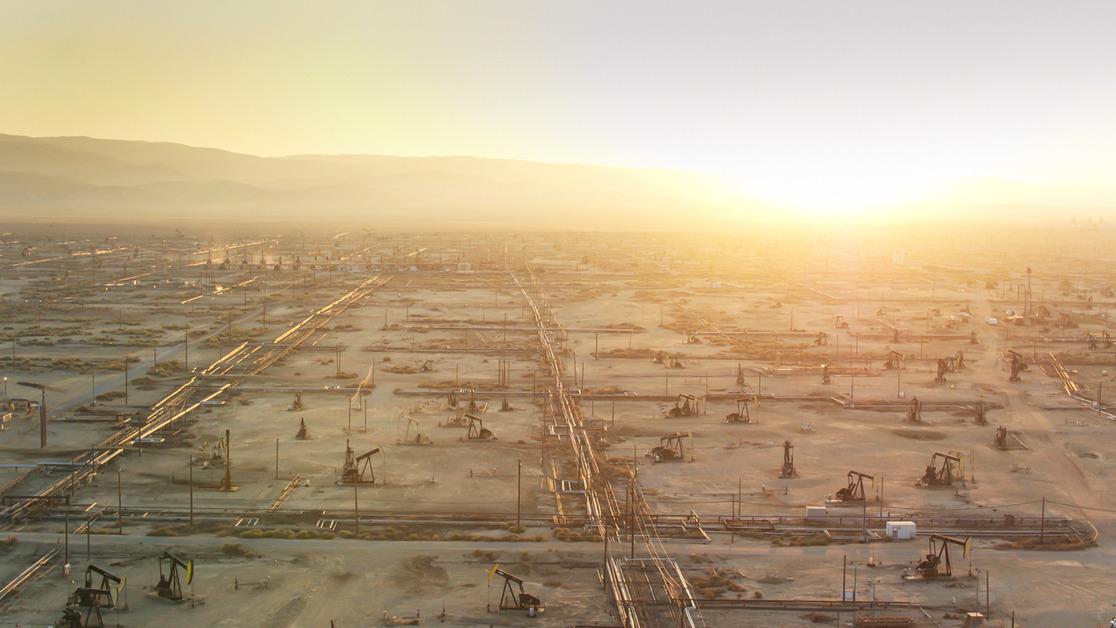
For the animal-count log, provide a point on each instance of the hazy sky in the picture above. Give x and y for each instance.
(800, 102)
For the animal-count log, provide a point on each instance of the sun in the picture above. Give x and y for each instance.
(832, 191)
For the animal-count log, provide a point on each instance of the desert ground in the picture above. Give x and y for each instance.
(555, 406)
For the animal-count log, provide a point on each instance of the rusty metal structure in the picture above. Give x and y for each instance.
(671, 448)
(418, 438)
(854, 490)
(981, 412)
(1001, 438)
(937, 562)
(1017, 366)
(475, 429)
(358, 469)
(170, 582)
(914, 412)
(742, 414)
(513, 597)
(684, 406)
(788, 470)
(942, 471)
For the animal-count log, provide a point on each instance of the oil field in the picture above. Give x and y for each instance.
(369, 428)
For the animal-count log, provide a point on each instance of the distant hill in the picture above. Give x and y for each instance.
(114, 180)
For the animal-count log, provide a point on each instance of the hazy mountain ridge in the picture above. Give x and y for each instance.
(79, 176)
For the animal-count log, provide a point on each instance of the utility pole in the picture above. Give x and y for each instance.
(518, 495)
(356, 511)
(1042, 522)
(186, 347)
(125, 379)
(276, 458)
(119, 505)
(191, 482)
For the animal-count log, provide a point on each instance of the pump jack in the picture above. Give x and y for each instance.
(980, 413)
(742, 414)
(672, 448)
(510, 599)
(854, 492)
(476, 429)
(92, 600)
(1017, 366)
(418, 439)
(1001, 437)
(684, 405)
(692, 338)
(170, 584)
(788, 470)
(943, 367)
(740, 376)
(937, 563)
(358, 469)
(941, 471)
(914, 413)
(839, 322)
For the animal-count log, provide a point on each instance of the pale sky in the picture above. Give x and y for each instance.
(801, 102)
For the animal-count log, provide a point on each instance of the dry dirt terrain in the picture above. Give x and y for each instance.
(646, 430)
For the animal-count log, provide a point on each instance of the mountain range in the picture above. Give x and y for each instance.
(88, 179)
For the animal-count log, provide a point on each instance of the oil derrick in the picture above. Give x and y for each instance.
(943, 367)
(671, 448)
(981, 419)
(358, 469)
(825, 375)
(1001, 438)
(170, 582)
(941, 471)
(303, 433)
(1017, 366)
(513, 597)
(937, 563)
(742, 414)
(227, 482)
(475, 429)
(83, 609)
(788, 470)
(296, 405)
(854, 489)
(684, 405)
(418, 439)
(894, 361)
(914, 413)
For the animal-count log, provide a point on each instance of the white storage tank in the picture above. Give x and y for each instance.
(813, 512)
(901, 530)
